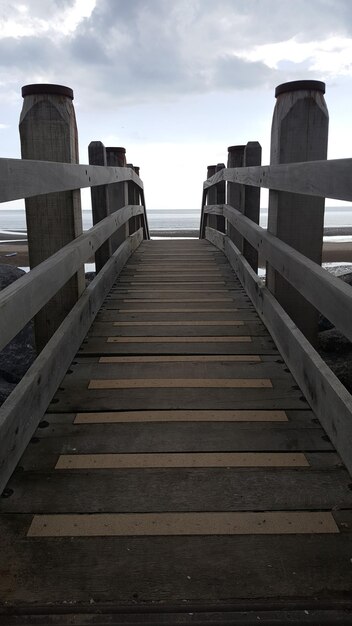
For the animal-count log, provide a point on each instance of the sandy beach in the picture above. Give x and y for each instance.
(17, 253)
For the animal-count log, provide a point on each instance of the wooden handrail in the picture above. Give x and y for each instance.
(22, 178)
(328, 179)
(21, 300)
(331, 296)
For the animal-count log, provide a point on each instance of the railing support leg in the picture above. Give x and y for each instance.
(220, 199)
(100, 202)
(210, 220)
(48, 132)
(235, 192)
(299, 133)
(118, 193)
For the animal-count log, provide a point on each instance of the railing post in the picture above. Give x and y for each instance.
(133, 199)
(220, 199)
(210, 220)
(235, 192)
(48, 132)
(251, 200)
(100, 202)
(118, 193)
(299, 133)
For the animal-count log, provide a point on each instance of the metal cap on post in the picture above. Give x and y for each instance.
(299, 133)
(48, 132)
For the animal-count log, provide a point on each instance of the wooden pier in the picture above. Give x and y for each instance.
(178, 453)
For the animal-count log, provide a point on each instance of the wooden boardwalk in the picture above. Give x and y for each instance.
(178, 468)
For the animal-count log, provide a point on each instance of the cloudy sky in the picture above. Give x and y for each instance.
(175, 81)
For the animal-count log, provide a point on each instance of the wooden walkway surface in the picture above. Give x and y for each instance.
(178, 467)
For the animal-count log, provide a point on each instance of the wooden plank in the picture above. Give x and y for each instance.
(209, 577)
(327, 396)
(179, 490)
(180, 416)
(258, 345)
(20, 301)
(21, 412)
(280, 397)
(191, 459)
(100, 524)
(250, 383)
(211, 358)
(240, 339)
(251, 328)
(182, 323)
(329, 179)
(330, 295)
(172, 316)
(25, 178)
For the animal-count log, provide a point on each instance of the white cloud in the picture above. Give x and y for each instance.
(331, 56)
(24, 21)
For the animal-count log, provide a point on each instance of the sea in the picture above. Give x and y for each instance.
(14, 220)
(169, 222)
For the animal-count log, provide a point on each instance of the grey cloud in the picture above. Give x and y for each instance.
(134, 50)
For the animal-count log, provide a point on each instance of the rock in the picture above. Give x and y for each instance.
(19, 354)
(333, 341)
(89, 277)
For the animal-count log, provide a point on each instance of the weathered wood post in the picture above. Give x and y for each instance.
(100, 201)
(243, 197)
(299, 133)
(133, 198)
(251, 200)
(220, 199)
(118, 193)
(210, 220)
(48, 132)
(235, 192)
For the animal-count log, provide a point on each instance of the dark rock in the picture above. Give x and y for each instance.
(333, 341)
(89, 277)
(19, 354)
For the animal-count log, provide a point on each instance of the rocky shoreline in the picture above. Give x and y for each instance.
(20, 353)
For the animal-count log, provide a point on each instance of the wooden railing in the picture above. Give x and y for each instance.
(21, 301)
(324, 292)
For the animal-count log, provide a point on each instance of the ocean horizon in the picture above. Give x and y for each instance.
(174, 219)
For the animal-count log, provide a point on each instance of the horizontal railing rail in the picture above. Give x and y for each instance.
(331, 296)
(326, 178)
(22, 178)
(20, 301)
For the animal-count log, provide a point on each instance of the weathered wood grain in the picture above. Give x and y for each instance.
(21, 300)
(331, 296)
(324, 392)
(23, 179)
(329, 179)
(21, 412)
